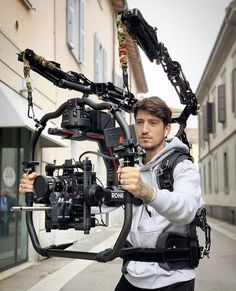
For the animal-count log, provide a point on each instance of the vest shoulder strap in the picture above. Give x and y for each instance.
(164, 173)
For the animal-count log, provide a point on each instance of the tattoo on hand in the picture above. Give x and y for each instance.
(146, 193)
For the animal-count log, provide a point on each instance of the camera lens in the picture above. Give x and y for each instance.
(45, 185)
(94, 195)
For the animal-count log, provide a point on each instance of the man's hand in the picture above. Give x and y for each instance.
(130, 180)
(26, 183)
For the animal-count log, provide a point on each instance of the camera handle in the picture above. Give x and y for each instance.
(59, 250)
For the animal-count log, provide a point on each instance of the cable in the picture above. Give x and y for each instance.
(98, 154)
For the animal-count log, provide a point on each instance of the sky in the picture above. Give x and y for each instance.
(188, 29)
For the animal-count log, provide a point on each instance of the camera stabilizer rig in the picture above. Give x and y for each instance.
(68, 197)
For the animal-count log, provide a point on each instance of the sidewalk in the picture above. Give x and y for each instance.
(55, 273)
(65, 274)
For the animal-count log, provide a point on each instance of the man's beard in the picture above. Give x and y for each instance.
(152, 147)
(149, 147)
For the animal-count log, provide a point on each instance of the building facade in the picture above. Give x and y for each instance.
(81, 36)
(216, 94)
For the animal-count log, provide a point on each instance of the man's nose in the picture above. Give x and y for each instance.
(145, 128)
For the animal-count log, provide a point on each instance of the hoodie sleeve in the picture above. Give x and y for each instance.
(181, 205)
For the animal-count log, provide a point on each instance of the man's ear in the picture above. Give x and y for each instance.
(167, 129)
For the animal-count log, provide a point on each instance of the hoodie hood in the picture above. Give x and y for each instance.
(171, 145)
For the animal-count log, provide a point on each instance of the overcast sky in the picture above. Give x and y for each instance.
(188, 29)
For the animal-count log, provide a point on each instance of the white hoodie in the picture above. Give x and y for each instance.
(170, 211)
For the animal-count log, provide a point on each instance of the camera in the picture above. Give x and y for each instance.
(72, 194)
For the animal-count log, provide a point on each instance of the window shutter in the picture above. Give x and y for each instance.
(234, 90)
(221, 104)
(96, 58)
(204, 121)
(81, 31)
(70, 24)
(209, 117)
(213, 117)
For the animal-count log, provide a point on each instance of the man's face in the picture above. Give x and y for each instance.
(150, 131)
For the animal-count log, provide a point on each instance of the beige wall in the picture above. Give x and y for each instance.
(223, 77)
(224, 139)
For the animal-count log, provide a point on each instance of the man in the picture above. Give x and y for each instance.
(161, 210)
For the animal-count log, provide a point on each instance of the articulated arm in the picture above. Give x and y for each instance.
(74, 81)
(146, 38)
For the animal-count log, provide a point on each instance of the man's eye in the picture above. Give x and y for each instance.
(154, 122)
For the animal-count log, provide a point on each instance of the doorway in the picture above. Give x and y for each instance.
(14, 149)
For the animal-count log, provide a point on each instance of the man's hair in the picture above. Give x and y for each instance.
(155, 106)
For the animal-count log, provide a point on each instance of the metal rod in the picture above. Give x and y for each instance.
(30, 208)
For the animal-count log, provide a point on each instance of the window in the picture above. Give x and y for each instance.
(226, 172)
(216, 175)
(213, 109)
(204, 122)
(221, 104)
(208, 119)
(235, 167)
(234, 91)
(100, 61)
(209, 177)
(14, 149)
(75, 28)
(204, 179)
(213, 117)
(201, 131)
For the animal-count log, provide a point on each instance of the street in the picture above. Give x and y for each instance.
(219, 272)
(54, 274)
